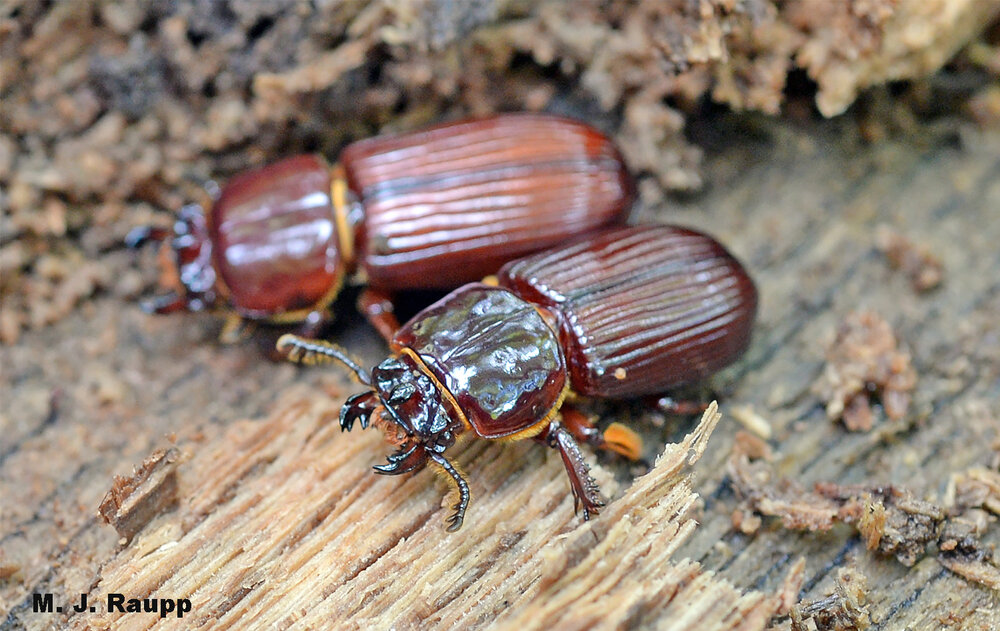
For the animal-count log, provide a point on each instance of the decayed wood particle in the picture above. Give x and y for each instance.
(844, 610)
(923, 268)
(890, 520)
(152, 489)
(865, 361)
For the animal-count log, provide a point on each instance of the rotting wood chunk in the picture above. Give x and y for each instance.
(978, 487)
(890, 519)
(754, 481)
(960, 551)
(134, 501)
(844, 610)
(923, 268)
(864, 361)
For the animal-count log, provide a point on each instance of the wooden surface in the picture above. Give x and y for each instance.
(267, 489)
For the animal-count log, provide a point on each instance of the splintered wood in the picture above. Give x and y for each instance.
(132, 502)
(281, 524)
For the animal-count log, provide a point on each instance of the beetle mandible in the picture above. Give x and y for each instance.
(430, 209)
(624, 313)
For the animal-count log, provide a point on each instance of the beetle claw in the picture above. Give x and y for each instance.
(349, 415)
(402, 461)
(358, 407)
(456, 520)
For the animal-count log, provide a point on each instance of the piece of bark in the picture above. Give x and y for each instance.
(134, 501)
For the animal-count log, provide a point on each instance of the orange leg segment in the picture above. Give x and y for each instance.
(377, 307)
(617, 437)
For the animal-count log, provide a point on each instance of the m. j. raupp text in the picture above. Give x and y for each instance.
(116, 603)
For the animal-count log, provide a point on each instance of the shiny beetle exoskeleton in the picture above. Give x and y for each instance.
(625, 313)
(423, 210)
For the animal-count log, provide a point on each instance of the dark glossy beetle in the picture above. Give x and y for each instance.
(625, 313)
(424, 210)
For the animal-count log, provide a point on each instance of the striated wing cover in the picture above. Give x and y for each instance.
(452, 203)
(643, 308)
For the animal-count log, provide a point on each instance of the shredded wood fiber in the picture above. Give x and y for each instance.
(281, 521)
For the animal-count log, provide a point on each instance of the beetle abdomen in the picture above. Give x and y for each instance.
(644, 308)
(275, 238)
(452, 203)
(495, 354)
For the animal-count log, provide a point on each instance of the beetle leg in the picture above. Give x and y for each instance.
(681, 407)
(141, 235)
(163, 303)
(235, 329)
(617, 437)
(403, 461)
(456, 518)
(377, 307)
(585, 489)
(359, 406)
(314, 322)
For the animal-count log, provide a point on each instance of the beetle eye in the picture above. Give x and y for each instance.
(402, 393)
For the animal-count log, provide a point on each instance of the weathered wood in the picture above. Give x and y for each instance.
(289, 528)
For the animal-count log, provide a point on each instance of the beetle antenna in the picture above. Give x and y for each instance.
(456, 518)
(308, 351)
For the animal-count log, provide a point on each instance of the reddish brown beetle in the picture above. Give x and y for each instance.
(625, 313)
(425, 210)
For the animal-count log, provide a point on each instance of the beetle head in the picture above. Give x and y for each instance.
(188, 273)
(405, 404)
(412, 400)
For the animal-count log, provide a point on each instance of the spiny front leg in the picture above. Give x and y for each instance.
(404, 461)
(360, 406)
(585, 489)
(456, 519)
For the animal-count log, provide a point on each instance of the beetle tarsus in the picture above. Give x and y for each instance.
(456, 519)
(141, 235)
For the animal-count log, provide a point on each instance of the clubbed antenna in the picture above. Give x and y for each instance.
(310, 352)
